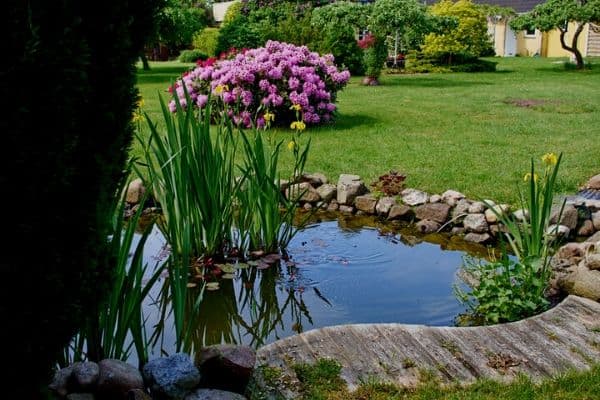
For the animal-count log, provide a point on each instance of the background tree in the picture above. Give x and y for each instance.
(469, 37)
(397, 18)
(68, 93)
(177, 23)
(557, 14)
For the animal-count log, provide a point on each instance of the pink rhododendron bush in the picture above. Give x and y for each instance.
(278, 80)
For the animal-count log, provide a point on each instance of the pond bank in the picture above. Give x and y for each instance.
(565, 337)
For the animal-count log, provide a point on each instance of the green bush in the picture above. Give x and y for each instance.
(206, 41)
(190, 56)
(238, 34)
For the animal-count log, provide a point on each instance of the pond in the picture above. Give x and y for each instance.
(343, 270)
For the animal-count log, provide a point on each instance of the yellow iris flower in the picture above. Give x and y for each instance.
(549, 159)
(296, 107)
(221, 88)
(527, 177)
(291, 145)
(269, 117)
(298, 125)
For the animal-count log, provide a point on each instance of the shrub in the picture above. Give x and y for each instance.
(206, 41)
(191, 56)
(274, 79)
(375, 54)
(238, 34)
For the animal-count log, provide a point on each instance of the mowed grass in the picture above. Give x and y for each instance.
(451, 131)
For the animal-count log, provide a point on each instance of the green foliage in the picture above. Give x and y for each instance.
(190, 56)
(206, 41)
(445, 62)
(177, 23)
(470, 36)
(556, 14)
(323, 376)
(238, 34)
(232, 13)
(68, 136)
(120, 325)
(510, 290)
(506, 290)
(374, 57)
(389, 16)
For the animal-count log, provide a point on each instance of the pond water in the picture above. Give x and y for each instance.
(341, 272)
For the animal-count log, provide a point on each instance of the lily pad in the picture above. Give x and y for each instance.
(191, 285)
(212, 286)
(253, 263)
(271, 258)
(227, 268)
(242, 265)
(228, 276)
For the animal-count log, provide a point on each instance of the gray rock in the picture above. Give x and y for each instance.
(171, 377)
(307, 206)
(81, 396)
(521, 215)
(346, 209)
(226, 367)
(461, 210)
(413, 197)
(594, 238)
(317, 179)
(558, 231)
(592, 261)
(384, 205)
(116, 378)
(435, 198)
(593, 183)
(457, 230)
(428, 226)
(586, 228)
(476, 207)
(135, 191)
(477, 237)
(333, 206)
(582, 282)
(138, 394)
(492, 214)
(437, 212)
(400, 211)
(451, 197)
(596, 220)
(348, 187)
(475, 223)
(366, 203)
(61, 384)
(284, 184)
(496, 229)
(213, 394)
(303, 192)
(327, 192)
(85, 375)
(568, 218)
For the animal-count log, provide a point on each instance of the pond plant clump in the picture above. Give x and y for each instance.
(254, 84)
(511, 289)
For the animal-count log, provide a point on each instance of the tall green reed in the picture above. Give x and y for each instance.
(118, 326)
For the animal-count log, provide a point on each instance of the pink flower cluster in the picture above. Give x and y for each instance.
(267, 79)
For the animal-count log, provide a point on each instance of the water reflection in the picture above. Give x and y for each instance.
(340, 271)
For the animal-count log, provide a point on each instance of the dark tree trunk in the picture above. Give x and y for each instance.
(573, 48)
(145, 63)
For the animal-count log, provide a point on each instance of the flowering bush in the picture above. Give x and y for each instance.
(280, 79)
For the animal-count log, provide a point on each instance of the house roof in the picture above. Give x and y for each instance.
(519, 6)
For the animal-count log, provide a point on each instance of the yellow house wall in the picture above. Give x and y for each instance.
(529, 45)
(499, 38)
(553, 48)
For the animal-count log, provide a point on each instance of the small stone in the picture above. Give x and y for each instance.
(317, 179)
(135, 191)
(61, 382)
(116, 378)
(435, 198)
(303, 192)
(496, 229)
(476, 207)
(492, 214)
(384, 205)
(593, 183)
(428, 226)
(594, 238)
(568, 217)
(521, 215)
(360, 213)
(451, 197)
(366, 203)
(346, 209)
(226, 367)
(592, 261)
(213, 394)
(558, 231)
(475, 223)
(582, 282)
(85, 375)
(348, 187)
(461, 210)
(413, 197)
(138, 394)
(586, 228)
(400, 212)
(458, 230)
(171, 377)
(333, 206)
(437, 212)
(327, 192)
(284, 184)
(307, 206)
(596, 220)
(477, 237)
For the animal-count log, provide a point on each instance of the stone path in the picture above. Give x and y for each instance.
(567, 336)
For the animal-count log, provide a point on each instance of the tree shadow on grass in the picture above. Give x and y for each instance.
(349, 121)
(167, 79)
(431, 82)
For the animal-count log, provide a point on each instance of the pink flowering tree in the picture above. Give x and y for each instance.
(277, 80)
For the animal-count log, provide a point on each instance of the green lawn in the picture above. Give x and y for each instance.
(452, 131)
